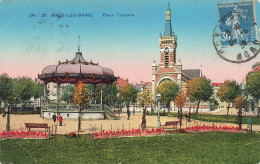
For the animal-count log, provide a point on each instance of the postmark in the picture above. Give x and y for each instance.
(235, 37)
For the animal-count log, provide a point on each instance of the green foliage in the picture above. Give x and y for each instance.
(26, 112)
(213, 103)
(179, 148)
(240, 102)
(213, 118)
(67, 94)
(25, 88)
(6, 84)
(128, 93)
(112, 89)
(168, 90)
(253, 84)
(229, 91)
(38, 90)
(199, 89)
(145, 99)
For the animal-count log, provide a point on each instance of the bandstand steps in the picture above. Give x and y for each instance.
(109, 113)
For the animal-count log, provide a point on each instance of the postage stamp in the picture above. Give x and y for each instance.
(237, 22)
(237, 32)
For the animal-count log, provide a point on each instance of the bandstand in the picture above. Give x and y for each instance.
(73, 71)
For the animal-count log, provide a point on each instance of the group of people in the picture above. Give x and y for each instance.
(59, 119)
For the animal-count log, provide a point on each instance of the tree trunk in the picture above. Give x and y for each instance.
(8, 119)
(143, 124)
(134, 109)
(79, 120)
(197, 110)
(178, 112)
(227, 109)
(258, 108)
(240, 118)
(180, 118)
(189, 113)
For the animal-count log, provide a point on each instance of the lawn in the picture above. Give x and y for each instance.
(176, 148)
(215, 118)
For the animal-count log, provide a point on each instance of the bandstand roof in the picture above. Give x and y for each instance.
(77, 69)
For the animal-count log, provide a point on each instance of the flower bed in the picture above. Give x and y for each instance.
(128, 133)
(214, 128)
(22, 134)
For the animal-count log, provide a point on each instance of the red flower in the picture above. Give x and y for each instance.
(72, 134)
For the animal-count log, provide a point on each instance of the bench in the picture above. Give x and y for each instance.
(170, 123)
(37, 125)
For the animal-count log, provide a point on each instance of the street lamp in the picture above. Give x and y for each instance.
(158, 109)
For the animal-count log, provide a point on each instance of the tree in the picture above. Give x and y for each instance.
(128, 93)
(25, 88)
(240, 103)
(253, 85)
(8, 94)
(213, 104)
(38, 90)
(180, 100)
(144, 100)
(229, 91)
(168, 90)
(67, 94)
(6, 84)
(81, 98)
(199, 89)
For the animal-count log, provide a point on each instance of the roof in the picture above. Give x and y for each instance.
(168, 25)
(191, 73)
(216, 84)
(140, 85)
(256, 69)
(77, 69)
(121, 82)
(78, 57)
(168, 28)
(168, 6)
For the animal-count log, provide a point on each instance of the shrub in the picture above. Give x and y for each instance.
(72, 134)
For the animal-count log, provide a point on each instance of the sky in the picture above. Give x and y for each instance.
(32, 36)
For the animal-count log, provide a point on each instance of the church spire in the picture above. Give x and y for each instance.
(168, 25)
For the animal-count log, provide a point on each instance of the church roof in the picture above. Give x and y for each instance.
(256, 69)
(168, 28)
(169, 6)
(191, 73)
(121, 82)
(168, 25)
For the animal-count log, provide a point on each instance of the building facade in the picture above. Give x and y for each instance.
(168, 69)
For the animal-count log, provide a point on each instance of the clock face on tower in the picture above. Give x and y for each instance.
(166, 50)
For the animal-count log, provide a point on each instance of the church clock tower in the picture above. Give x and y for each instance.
(167, 69)
(168, 43)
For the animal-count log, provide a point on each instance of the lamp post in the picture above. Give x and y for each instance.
(158, 109)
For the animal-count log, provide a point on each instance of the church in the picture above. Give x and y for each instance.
(168, 69)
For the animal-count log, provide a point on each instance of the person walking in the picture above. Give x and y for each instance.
(60, 120)
(128, 113)
(54, 118)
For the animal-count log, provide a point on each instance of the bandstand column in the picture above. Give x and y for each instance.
(101, 99)
(108, 94)
(45, 95)
(111, 93)
(58, 97)
(94, 96)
